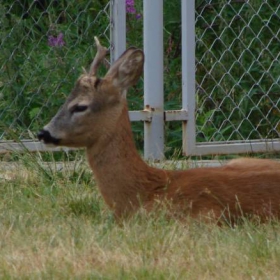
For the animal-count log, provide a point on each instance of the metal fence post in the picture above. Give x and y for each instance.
(153, 79)
(118, 28)
(188, 74)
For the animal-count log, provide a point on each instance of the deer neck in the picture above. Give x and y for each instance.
(123, 178)
(115, 146)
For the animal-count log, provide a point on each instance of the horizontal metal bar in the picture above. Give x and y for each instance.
(200, 149)
(176, 115)
(32, 146)
(144, 115)
(147, 115)
(253, 146)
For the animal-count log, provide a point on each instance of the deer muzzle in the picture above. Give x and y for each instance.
(47, 138)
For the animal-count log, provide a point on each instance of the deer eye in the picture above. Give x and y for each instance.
(79, 108)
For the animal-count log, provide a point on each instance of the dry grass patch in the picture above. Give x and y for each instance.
(54, 225)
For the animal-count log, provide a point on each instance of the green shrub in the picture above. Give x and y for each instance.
(237, 65)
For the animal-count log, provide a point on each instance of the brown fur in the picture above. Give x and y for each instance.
(243, 187)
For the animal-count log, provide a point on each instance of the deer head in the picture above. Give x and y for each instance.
(94, 105)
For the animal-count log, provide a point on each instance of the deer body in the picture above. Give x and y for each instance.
(244, 186)
(95, 116)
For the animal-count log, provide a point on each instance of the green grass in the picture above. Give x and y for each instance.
(54, 225)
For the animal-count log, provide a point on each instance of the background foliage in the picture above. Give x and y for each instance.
(237, 55)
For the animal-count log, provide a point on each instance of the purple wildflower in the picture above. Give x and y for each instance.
(130, 9)
(138, 16)
(56, 41)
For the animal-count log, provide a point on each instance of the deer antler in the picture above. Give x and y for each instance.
(101, 53)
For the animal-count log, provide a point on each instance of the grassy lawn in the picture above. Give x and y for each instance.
(54, 225)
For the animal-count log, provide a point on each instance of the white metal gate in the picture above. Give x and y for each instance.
(154, 116)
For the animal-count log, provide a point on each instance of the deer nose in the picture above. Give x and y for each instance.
(44, 135)
(41, 134)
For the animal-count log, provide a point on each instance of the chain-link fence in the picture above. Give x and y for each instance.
(44, 45)
(237, 70)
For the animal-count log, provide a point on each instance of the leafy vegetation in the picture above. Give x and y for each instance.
(237, 69)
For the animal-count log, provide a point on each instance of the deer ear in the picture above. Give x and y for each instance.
(126, 71)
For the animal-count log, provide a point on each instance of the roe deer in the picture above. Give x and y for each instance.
(95, 116)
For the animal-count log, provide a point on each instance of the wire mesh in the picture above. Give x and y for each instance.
(44, 45)
(237, 70)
